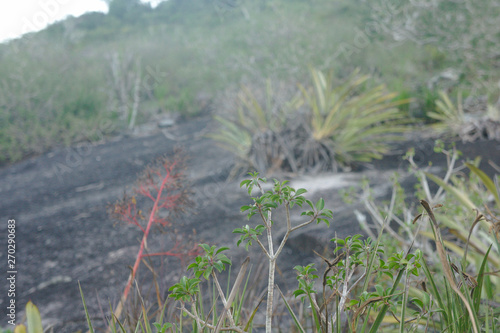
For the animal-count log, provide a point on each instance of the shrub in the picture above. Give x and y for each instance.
(259, 133)
(348, 125)
(452, 120)
(466, 255)
(164, 184)
(336, 127)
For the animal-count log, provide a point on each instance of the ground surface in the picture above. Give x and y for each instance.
(64, 234)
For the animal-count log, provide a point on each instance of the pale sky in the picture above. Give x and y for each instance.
(20, 16)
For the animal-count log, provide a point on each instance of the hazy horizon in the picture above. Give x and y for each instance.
(19, 18)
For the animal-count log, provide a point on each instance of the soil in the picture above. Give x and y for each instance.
(64, 235)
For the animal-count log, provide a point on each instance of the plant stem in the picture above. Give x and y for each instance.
(223, 298)
(210, 326)
(141, 249)
(270, 294)
(197, 317)
(272, 268)
(288, 230)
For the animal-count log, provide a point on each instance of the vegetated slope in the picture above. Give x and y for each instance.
(83, 78)
(80, 78)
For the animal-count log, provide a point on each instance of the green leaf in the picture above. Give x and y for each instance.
(309, 202)
(298, 292)
(219, 266)
(320, 204)
(226, 261)
(300, 191)
(460, 195)
(89, 323)
(205, 247)
(294, 317)
(339, 241)
(222, 249)
(325, 221)
(245, 208)
(328, 213)
(487, 181)
(245, 182)
(207, 272)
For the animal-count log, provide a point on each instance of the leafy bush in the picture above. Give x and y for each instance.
(336, 127)
(42, 106)
(452, 120)
(462, 301)
(259, 132)
(349, 125)
(452, 30)
(189, 47)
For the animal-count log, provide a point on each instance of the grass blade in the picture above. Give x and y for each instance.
(250, 320)
(294, 317)
(461, 196)
(487, 181)
(89, 323)
(446, 265)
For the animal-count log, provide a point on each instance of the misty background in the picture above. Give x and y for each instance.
(105, 73)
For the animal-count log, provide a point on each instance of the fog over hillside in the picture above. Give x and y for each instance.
(349, 148)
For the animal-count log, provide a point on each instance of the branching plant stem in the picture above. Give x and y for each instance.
(207, 324)
(272, 255)
(140, 255)
(223, 298)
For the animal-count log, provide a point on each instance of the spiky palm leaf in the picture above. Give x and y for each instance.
(356, 126)
(233, 137)
(450, 118)
(254, 134)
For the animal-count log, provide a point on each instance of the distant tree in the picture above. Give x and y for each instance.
(128, 10)
(91, 21)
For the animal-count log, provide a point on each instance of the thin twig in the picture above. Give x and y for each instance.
(304, 224)
(207, 324)
(223, 298)
(288, 230)
(233, 293)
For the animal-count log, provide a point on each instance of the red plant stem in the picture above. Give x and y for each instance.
(146, 233)
(168, 253)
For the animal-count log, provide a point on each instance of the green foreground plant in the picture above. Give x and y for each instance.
(263, 206)
(280, 195)
(33, 320)
(461, 301)
(395, 281)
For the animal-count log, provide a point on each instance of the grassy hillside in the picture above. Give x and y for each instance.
(82, 78)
